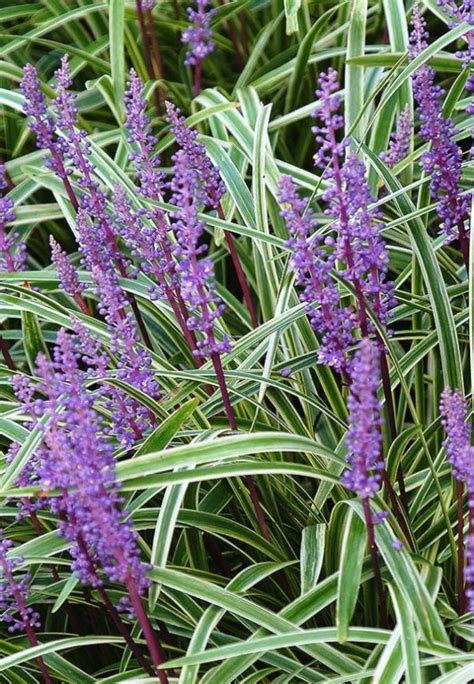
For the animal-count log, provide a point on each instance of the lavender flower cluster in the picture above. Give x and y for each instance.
(459, 13)
(198, 35)
(76, 461)
(453, 409)
(443, 160)
(14, 590)
(147, 166)
(98, 242)
(176, 267)
(186, 279)
(75, 465)
(12, 249)
(464, 12)
(399, 141)
(364, 437)
(195, 184)
(357, 251)
(313, 264)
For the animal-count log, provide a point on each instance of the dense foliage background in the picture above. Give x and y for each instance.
(228, 604)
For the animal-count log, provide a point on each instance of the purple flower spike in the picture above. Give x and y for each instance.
(469, 569)
(453, 409)
(139, 132)
(458, 14)
(75, 147)
(41, 122)
(199, 34)
(332, 121)
(145, 239)
(313, 263)
(359, 245)
(364, 438)
(67, 274)
(146, 231)
(3, 173)
(14, 593)
(130, 418)
(73, 144)
(400, 141)
(12, 249)
(197, 158)
(196, 274)
(96, 250)
(77, 460)
(443, 161)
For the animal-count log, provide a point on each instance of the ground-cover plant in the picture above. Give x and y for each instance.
(236, 341)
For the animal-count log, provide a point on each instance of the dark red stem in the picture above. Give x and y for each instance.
(30, 633)
(148, 56)
(460, 568)
(233, 39)
(146, 47)
(464, 242)
(79, 299)
(375, 563)
(152, 640)
(6, 354)
(243, 32)
(155, 45)
(216, 361)
(197, 78)
(124, 631)
(64, 178)
(244, 286)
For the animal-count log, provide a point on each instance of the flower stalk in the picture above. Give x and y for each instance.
(144, 9)
(453, 410)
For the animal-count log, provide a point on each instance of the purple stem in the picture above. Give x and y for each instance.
(244, 286)
(460, 570)
(113, 611)
(233, 39)
(375, 563)
(147, 52)
(152, 640)
(197, 78)
(250, 484)
(6, 354)
(79, 299)
(124, 631)
(155, 45)
(363, 317)
(30, 632)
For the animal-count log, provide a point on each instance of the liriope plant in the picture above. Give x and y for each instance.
(236, 342)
